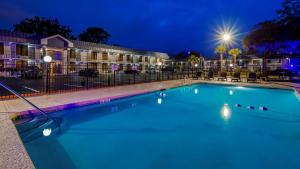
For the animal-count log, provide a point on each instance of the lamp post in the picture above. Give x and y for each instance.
(159, 69)
(114, 68)
(47, 60)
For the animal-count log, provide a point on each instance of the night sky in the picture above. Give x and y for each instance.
(160, 25)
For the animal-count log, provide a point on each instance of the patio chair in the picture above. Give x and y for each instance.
(197, 75)
(209, 76)
(252, 77)
(236, 77)
(222, 77)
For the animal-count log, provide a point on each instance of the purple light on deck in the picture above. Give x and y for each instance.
(134, 67)
(114, 67)
(291, 66)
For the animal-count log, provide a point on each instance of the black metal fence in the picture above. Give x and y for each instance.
(57, 77)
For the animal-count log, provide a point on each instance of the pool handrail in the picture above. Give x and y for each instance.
(27, 101)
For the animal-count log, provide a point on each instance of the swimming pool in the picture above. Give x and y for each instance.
(191, 127)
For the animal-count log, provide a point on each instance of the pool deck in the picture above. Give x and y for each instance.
(12, 152)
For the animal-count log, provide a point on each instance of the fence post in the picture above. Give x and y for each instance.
(114, 78)
(108, 80)
(47, 77)
(87, 77)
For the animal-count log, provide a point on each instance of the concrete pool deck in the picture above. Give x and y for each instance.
(12, 152)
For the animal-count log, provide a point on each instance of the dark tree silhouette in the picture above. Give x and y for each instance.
(43, 27)
(95, 35)
(184, 55)
(271, 36)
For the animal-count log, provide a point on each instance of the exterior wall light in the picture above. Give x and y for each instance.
(47, 59)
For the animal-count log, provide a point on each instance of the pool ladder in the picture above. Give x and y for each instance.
(34, 128)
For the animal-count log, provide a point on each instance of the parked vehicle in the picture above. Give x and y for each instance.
(88, 73)
(131, 71)
(168, 69)
(32, 72)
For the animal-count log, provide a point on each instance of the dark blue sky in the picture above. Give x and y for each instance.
(160, 25)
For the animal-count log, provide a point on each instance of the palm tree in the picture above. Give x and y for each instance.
(221, 50)
(235, 52)
(193, 59)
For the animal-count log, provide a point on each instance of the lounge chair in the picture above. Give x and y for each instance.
(223, 76)
(252, 77)
(236, 77)
(209, 76)
(197, 75)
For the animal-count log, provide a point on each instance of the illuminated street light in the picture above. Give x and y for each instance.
(226, 34)
(226, 37)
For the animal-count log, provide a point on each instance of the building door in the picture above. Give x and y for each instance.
(21, 64)
(57, 69)
(1, 64)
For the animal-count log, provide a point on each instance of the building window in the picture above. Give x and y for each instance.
(104, 56)
(120, 67)
(72, 66)
(1, 48)
(141, 59)
(72, 54)
(22, 50)
(120, 57)
(128, 67)
(1, 64)
(140, 67)
(94, 55)
(104, 66)
(20, 64)
(94, 66)
(146, 59)
(129, 58)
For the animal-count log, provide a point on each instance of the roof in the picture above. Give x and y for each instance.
(18, 37)
(97, 46)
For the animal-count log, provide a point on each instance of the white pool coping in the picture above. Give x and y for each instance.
(11, 146)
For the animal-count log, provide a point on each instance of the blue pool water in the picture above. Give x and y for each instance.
(190, 127)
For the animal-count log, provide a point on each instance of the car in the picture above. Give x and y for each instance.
(130, 71)
(169, 69)
(32, 72)
(88, 73)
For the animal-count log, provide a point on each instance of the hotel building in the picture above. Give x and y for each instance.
(19, 50)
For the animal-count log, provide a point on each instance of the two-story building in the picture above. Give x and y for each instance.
(19, 50)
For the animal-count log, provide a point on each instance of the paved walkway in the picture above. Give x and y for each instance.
(12, 152)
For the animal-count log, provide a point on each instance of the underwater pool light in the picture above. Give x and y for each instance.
(159, 101)
(47, 132)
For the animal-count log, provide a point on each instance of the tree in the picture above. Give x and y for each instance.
(95, 35)
(275, 35)
(290, 9)
(235, 52)
(193, 60)
(270, 35)
(43, 27)
(221, 50)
